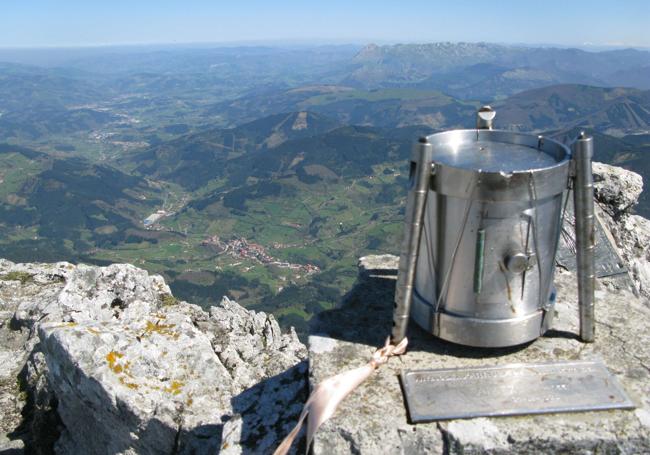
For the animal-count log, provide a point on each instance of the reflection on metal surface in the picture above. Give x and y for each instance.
(417, 198)
(583, 204)
(454, 393)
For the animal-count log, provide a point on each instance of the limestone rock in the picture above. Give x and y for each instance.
(11, 447)
(20, 283)
(617, 191)
(109, 352)
(92, 294)
(632, 236)
(616, 188)
(378, 265)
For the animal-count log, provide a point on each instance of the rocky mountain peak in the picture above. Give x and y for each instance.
(369, 51)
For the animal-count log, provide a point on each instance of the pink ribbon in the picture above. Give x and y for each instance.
(327, 395)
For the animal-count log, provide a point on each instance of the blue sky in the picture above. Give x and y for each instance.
(567, 22)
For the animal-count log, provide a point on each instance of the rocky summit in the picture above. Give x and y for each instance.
(107, 360)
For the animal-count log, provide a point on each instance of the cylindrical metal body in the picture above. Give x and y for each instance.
(583, 202)
(492, 220)
(420, 173)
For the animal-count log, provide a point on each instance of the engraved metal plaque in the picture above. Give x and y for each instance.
(457, 393)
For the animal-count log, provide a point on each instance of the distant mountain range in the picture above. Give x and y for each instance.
(87, 91)
(616, 111)
(486, 71)
(392, 108)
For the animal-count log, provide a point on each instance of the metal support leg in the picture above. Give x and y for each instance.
(415, 204)
(583, 200)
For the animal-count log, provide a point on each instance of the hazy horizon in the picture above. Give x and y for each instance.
(73, 23)
(315, 43)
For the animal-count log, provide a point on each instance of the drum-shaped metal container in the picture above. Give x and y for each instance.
(492, 220)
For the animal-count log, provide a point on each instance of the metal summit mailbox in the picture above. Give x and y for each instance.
(483, 220)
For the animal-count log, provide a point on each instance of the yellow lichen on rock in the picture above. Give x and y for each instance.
(168, 300)
(64, 324)
(162, 329)
(117, 367)
(128, 384)
(121, 369)
(175, 388)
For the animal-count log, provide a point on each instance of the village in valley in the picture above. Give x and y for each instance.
(242, 248)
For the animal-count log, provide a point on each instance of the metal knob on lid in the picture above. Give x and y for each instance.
(485, 117)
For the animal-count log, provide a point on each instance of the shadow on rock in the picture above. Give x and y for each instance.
(266, 413)
(41, 425)
(97, 424)
(366, 313)
(261, 417)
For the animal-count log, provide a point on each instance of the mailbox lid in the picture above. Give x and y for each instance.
(498, 165)
(496, 151)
